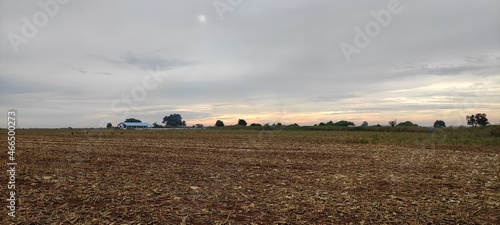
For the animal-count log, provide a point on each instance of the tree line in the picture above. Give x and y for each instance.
(478, 119)
(175, 120)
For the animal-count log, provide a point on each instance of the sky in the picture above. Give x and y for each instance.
(70, 63)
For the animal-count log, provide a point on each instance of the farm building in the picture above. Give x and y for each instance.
(126, 125)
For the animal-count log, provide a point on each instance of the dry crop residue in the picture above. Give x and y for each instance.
(245, 177)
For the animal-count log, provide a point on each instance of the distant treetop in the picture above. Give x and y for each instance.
(133, 120)
(219, 123)
(439, 123)
(478, 119)
(242, 122)
(407, 123)
(341, 123)
(174, 120)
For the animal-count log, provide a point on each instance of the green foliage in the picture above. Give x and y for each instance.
(255, 125)
(174, 120)
(402, 135)
(407, 123)
(393, 123)
(341, 123)
(467, 136)
(478, 119)
(133, 120)
(109, 125)
(439, 123)
(242, 122)
(369, 128)
(494, 131)
(219, 123)
(277, 126)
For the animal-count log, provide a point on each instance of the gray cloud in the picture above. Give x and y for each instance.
(103, 73)
(266, 61)
(441, 69)
(14, 86)
(147, 62)
(470, 65)
(94, 72)
(80, 70)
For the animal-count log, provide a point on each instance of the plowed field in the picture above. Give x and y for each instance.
(247, 177)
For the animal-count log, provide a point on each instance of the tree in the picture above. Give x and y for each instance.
(133, 120)
(156, 125)
(343, 123)
(439, 123)
(109, 125)
(478, 119)
(471, 120)
(219, 123)
(364, 124)
(407, 123)
(242, 122)
(174, 120)
(256, 125)
(393, 123)
(481, 119)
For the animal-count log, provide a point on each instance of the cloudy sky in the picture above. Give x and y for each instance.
(84, 63)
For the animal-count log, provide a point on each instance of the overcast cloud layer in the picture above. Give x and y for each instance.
(264, 61)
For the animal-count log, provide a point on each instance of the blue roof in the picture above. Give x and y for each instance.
(135, 124)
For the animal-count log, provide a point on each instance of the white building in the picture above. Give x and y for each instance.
(133, 125)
